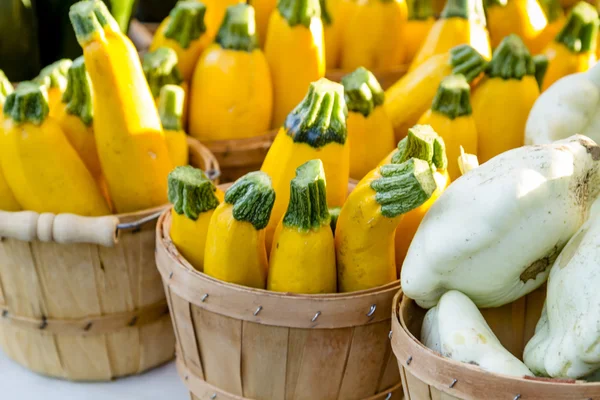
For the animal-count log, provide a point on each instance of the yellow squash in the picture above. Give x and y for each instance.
(451, 117)
(295, 50)
(421, 18)
(461, 22)
(370, 132)
(75, 116)
(235, 244)
(331, 34)
(364, 236)
(412, 95)
(502, 100)
(184, 31)
(315, 129)
(161, 68)
(215, 12)
(54, 77)
(418, 138)
(170, 109)
(232, 95)
(574, 48)
(7, 198)
(263, 8)
(525, 18)
(556, 20)
(194, 200)
(303, 259)
(42, 169)
(372, 35)
(129, 137)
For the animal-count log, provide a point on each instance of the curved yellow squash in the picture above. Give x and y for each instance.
(194, 200)
(461, 22)
(421, 18)
(235, 245)
(524, 18)
(44, 180)
(316, 129)
(303, 259)
(7, 198)
(295, 51)
(372, 36)
(129, 137)
(232, 95)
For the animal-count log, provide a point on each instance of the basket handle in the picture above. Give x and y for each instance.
(62, 228)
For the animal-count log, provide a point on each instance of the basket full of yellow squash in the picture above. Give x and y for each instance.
(84, 157)
(291, 263)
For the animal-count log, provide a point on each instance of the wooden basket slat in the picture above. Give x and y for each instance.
(264, 357)
(84, 357)
(391, 374)
(152, 343)
(366, 362)
(418, 389)
(220, 339)
(508, 323)
(187, 346)
(534, 305)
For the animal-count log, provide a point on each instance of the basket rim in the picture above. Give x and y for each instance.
(319, 311)
(420, 361)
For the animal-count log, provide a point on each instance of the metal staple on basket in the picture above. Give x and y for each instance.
(214, 396)
(409, 360)
(517, 397)
(372, 310)
(203, 299)
(258, 310)
(389, 396)
(453, 383)
(316, 316)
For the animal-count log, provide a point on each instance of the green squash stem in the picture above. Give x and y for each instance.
(238, 30)
(420, 10)
(252, 197)
(467, 9)
(362, 91)
(6, 87)
(55, 74)
(453, 98)
(423, 143)
(90, 18)
(78, 95)
(299, 12)
(466, 61)
(170, 107)
(511, 60)
(161, 67)
(186, 22)
(580, 30)
(334, 214)
(28, 103)
(191, 192)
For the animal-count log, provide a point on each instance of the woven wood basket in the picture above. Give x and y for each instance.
(80, 297)
(238, 343)
(426, 375)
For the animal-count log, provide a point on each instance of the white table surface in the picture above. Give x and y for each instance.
(17, 383)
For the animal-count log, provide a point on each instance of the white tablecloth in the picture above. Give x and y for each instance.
(17, 383)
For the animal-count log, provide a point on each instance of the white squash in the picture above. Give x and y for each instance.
(456, 329)
(571, 105)
(496, 231)
(566, 343)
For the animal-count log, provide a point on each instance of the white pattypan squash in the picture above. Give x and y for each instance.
(496, 231)
(569, 106)
(456, 329)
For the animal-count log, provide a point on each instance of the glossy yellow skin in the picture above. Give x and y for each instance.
(450, 32)
(187, 58)
(414, 33)
(81, 138)
(55, 181)
(377, 44)
(231, 96)
(129, 136)
(178, 147)
(296, 57)
(189, 236)
(456, 132)
(303, 262)
(263, 10)
(364, 240)
(412, 95)
(563, 62)
(248, 264)
(285, 156)
(500, 110)
(215, 12)
(54, 100)
(370, 139)
(8, 202)
(186, 102)
(341, 11)
(525, 18)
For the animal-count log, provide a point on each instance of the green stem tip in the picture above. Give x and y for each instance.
(334, 214)
(326, 16)
(252, 197)
(552, 9)
(78, 95)
(453, 97)
(466, 9)
(308, 198)
(320, 118)
(580, 30)
(186, 22)
(6, 87)
(420, 10)
(511, 60)
(465, 60)
(55, 74)
(161, 67)
(28, 103)
(423, 143)
(362, 91)
(238, 30)
(170, 107)
(299, 12)
(191, 192)
(403, 187)
(90, 17)
(541, 66)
